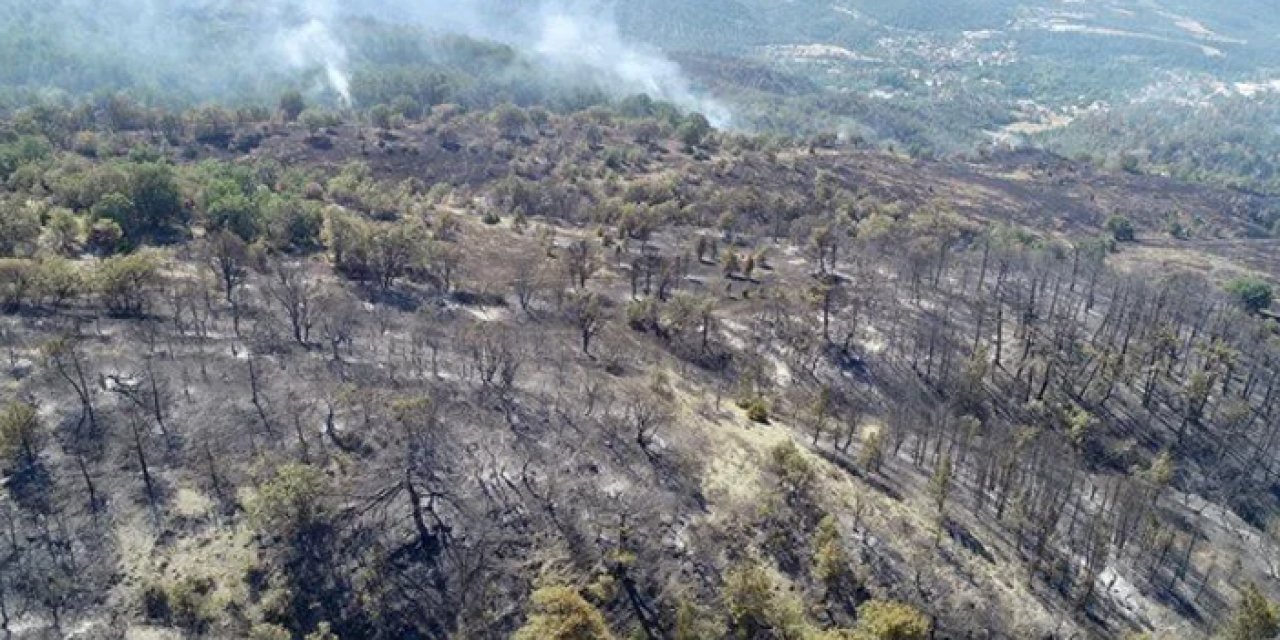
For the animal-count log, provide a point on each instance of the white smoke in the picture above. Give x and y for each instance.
(577, 40)
(592, 43)
(313, 45)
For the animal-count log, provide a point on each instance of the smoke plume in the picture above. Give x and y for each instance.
(178, 48)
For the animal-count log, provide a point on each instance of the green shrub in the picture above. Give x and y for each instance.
(1255, 617)
(58, 280)
(316, 119)
(104, 237)
(561, 613)
(19, 229)
(21, 434)
(792, 468)
(24, 150)
(125, 282)
(211, 125)
(188, 602)
(293, 224)
(1121, 228)
(885, 620)
(62, 233)
(266, 631)
(153, 208)
(18, 282)
(292, 105)
(1253, 294)
(643, 314)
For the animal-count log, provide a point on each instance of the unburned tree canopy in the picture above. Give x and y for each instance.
(20, 433)
(561, 613)
(1253, 294)
(885, 620)
(292, 502)
(1255, 617)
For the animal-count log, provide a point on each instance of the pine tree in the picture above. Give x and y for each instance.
(561, 613)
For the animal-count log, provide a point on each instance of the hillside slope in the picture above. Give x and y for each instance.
(494, 374)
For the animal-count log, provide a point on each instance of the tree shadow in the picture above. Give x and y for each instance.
(963, 537)
(31, 486)
(847, 465)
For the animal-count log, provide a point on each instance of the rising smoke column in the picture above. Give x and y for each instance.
(592, 43)
(233, 50)
(312, 44)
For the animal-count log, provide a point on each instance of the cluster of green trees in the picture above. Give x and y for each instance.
(1222, 140)
(120, 283)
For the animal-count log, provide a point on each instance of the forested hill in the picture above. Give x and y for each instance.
(1170, 87)
(444, 320)
(1167, 87)
(1248, 26)
(514, 374)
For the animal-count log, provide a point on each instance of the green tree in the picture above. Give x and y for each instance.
(211, 125)
(267, 631)
(1253, 294)
(20, 433)
(794, 471)
(324, 631)
(125, 282)
(118, 208)
(872, 456)
(292, 503)
(104, 237)
(380, 116)
(406, 107)
(695, 623)
(24, 150)
(561, 613)
(693, 131)
(58, 280)
(292, 224)
(748, 591)
(757, 608)
(511, 121)
(587, 314)
(316, 119)
(62, 234)
(1255, 618)
(19, 229)
(227, 207)
(157, 210)
(393, 250)
(819, 410)
(831, 564)
(228, 255)
(292, 105)
(18, 282)
(1121, 228)
(885, 620)
(293, 515)
(730, 265)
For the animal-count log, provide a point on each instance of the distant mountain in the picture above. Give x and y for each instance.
(1187, 88)
(952, 76)
(1248, 29)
